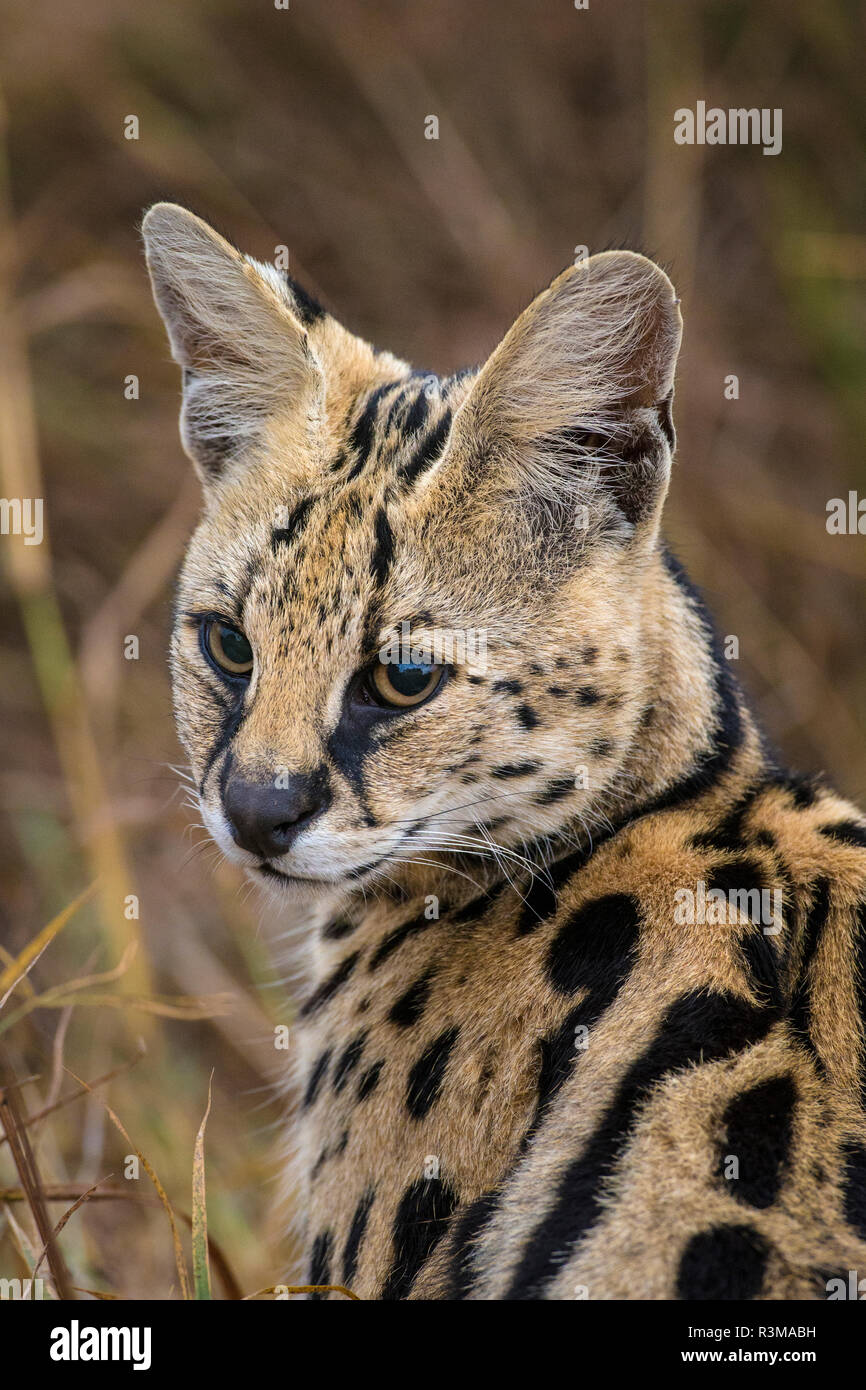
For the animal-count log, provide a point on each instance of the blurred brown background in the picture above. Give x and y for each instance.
(306, 127)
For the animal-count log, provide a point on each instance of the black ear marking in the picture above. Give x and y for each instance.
(665, 412)
(636, 484)
(307, 309)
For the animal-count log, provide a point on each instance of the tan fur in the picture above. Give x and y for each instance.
(599, 659)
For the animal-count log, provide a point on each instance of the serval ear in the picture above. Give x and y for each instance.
(237, 329)
(574, 406)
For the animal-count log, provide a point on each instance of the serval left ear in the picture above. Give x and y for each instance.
(236, 328)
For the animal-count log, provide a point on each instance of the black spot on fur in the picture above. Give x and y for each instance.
(420, 1223)
(804, 792)
(595, 946)
(511, 687)
(348, 1060)
(762, 965)
(587, 696)
(541, 898)
(700, 1027)
(740, 876)
(847, 832)
(410, 1006)
(726, 1262)
(506, 770)
(329, 987)
(395, 938)
(601, 747)
(527, 717)
(730, 833)
(317, 1076)
(854, 1188)
(336, 931)
(475, 909)
(283, 535)
(800, 1012)
(558, 1054)
(860, 985)
(320, 1260)
(759, 1130)
(356, 1236)
(539, 902)
(370, 1080)
(555, 791)
(467, 1228)
(428, 1073)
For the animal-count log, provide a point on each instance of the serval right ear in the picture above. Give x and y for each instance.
(237, 329)
(573, 408)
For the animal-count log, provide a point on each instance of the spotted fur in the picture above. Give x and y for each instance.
(520, 1076)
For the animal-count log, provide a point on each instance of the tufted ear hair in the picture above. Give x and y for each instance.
(574, 406)
(236, 328)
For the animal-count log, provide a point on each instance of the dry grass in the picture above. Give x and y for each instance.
(306, 127)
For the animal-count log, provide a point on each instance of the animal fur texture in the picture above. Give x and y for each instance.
(523, 1074)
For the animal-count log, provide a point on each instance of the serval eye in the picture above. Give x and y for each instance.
(228, 648)
(403, 684)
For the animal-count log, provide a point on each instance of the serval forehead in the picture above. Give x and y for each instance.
(323, 547)
(397, 427)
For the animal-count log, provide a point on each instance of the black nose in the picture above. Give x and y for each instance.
(265, 819)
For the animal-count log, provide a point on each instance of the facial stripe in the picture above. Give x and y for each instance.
(382, 556)
(284, 535)
(418, 411)
(363, 432)
(229, 728)
(428, 451)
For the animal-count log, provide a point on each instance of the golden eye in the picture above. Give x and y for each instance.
(404, 684)
(228, 648)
